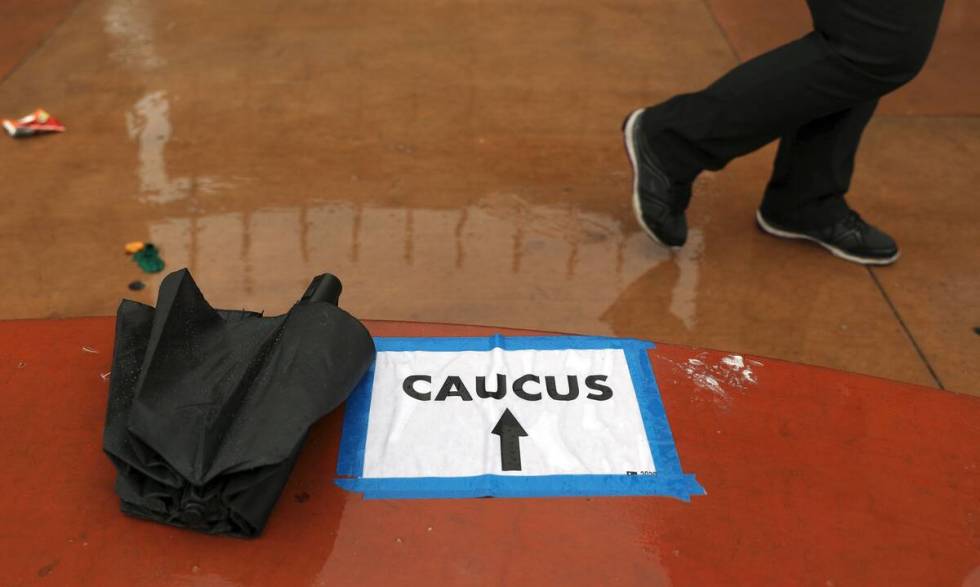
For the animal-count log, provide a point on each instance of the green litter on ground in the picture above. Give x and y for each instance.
(148, 258)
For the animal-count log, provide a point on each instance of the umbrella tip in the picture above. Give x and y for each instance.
(323, 288)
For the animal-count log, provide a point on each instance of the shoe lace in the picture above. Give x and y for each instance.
(854, 220)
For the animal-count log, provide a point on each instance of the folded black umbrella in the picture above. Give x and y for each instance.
(208, 409)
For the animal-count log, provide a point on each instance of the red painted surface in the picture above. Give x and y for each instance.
(26, 25)
(814, 477)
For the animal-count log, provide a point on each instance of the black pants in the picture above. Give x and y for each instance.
(816, 94)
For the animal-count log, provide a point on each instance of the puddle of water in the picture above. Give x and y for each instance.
(149, 125)
(130, 24)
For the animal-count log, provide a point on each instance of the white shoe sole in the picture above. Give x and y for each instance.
(834, 250)
(628, 139)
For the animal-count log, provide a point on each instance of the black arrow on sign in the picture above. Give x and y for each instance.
(509, 430)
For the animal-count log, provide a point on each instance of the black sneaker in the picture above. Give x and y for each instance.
(849, 238)
(658, 202)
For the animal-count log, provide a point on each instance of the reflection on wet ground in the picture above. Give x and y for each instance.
(149, 125)
(130, 23)
(503, 258)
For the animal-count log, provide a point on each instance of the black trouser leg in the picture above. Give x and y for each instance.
(813, 169)
(859, 51)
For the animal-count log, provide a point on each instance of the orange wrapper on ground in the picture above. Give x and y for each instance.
(40, 122)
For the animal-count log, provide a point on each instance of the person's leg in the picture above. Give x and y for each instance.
(805, 196)
(813, 169)
(859, 51)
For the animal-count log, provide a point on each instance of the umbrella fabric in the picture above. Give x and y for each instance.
(208, 409)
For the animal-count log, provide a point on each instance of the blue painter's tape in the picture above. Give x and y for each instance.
(350, 461)
(652, 411)
(669, 479)
(679, 486)
(510, 343)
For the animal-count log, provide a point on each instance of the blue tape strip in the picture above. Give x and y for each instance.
(669, 479)
(510, 343)
(652, 411)
(678, 486)
(357, 408)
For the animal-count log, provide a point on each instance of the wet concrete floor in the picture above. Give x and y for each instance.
(462, 162)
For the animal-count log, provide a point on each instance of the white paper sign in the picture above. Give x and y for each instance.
(433, 414)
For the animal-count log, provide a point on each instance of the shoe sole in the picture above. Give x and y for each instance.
(765, 226)
(631, 153)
